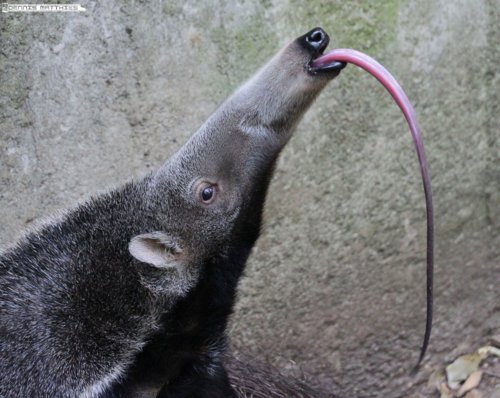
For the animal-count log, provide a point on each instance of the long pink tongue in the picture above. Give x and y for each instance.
(389, 82)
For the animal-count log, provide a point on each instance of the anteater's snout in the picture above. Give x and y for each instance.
(316, 41)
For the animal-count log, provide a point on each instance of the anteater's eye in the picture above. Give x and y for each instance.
(208, 194)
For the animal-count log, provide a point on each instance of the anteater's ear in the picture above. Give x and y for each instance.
(156, 248)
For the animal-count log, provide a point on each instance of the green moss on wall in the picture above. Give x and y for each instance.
(247, 42)
(364, 25)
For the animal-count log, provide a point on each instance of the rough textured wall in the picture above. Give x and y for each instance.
(336, 282)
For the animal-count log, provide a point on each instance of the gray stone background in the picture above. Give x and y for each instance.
(335, 287)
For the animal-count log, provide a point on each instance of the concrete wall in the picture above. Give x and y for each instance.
(336, 282)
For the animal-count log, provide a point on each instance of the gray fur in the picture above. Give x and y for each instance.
(81, 296)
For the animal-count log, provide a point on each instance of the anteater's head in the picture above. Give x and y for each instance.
(208, 197)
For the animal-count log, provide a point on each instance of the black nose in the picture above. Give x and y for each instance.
(315, 41)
